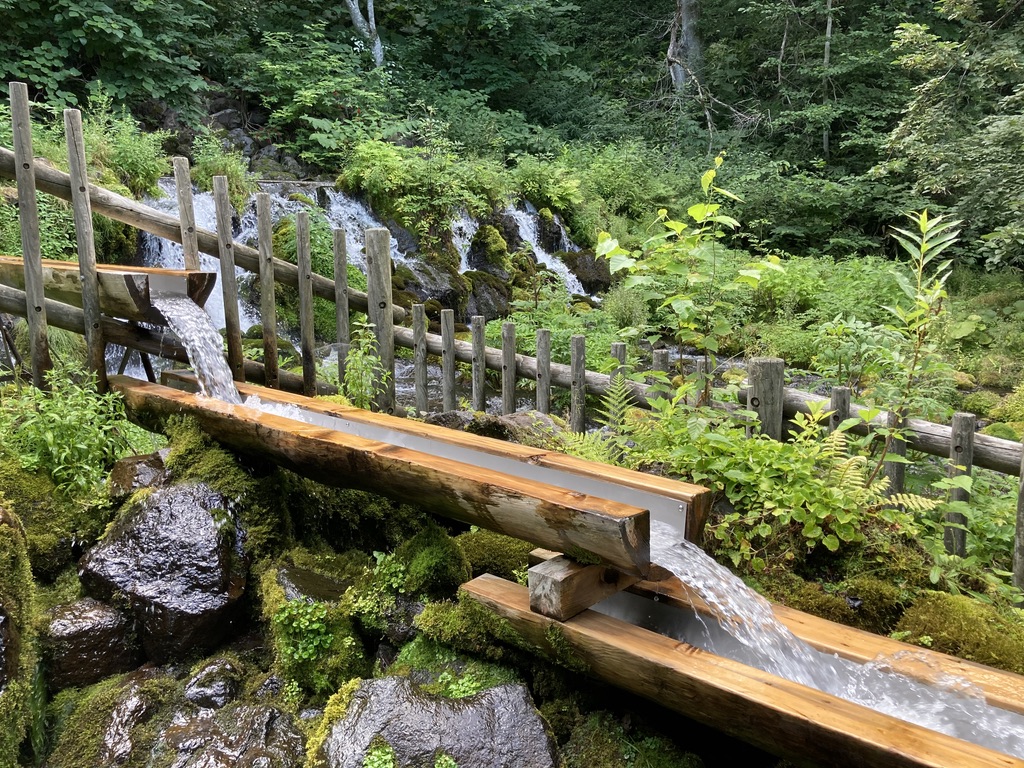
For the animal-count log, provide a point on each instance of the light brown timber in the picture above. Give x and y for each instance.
(616, 533)
(381, 314)
(268, 307)
(307, 342)
(120, 208)
(228, 283)
(186, 212)
(782, 717)
(561, 587)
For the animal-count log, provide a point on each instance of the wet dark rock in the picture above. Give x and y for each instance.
(9, 644)
(269, 688)
(498, 728)
(173, 556)
(550, 234)
(227, 119)
(302, 584)
(215, 685)
(592, 270)
(526, 427)
(247, 736)
(489, 296)
(135, 705)
(488, 252)
(87, 641)
(399, 618)
(241, 141)
(136, 472)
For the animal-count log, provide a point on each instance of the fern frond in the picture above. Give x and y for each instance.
(912, 502)
(615, 404)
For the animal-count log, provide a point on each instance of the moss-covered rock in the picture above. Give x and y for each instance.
(592, 270)
(489, 552)
(1002, 430)
(601, 741)
(439, 670)
(17, 636)
(488, 252)
(465, 625)
(57, 526)
(877, 605)
(970, 629)
(489, 295)
(982, 402)
(435, 564)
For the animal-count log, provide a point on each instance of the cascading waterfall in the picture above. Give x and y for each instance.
(746, 630)
(527, 222)
(354, 216)
(464, 227)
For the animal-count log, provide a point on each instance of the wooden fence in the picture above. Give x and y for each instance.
(766, 395)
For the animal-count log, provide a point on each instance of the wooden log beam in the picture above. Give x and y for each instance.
(777, 715)
(618, 534)
(989, 452)
(119, 208)
(561, 587)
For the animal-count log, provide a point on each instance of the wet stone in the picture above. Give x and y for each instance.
(214, 686)
(134, 707)
(136, 472)
(246, 736)
(497, 728)
(8, 649)
(174, 558)
(87, 641)
(302, 584)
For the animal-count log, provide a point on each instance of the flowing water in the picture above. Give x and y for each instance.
(905, 686)
(528, 224)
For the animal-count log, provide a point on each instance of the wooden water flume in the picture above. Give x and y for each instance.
(123, 292)
(780, 716)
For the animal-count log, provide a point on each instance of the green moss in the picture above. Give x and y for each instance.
(564, 652)
(65, 589)
(453, 675)
(87, 715)
(489, 552)
(335, 710)
(601, 741)
(17, 599)
(435, 564)
(53, 521)
(1011, 407)
(967, 628)
(582, 556)
(998, 370)
(1002, 430)
(982, 402)
(465, 625)
(881, 603)
(488, 243)
(964, 380)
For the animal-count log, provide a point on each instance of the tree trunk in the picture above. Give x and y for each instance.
(683, 46)
(366, 25)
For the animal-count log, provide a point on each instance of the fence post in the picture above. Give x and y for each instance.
(1018, 534)
(477, 324)
(767, 378)
(378, 289)
(544, 370)
(186, 212)
(419, 357)
(508, 368)
(86, 245)
(341, 300)
(307, 336)
(961, 454)
(659, 361)
(619, 353)
(840, 407)
(448, 359)
(896, 471)
(578, 391)
(28, 216)
(268, 308)
(229, 285)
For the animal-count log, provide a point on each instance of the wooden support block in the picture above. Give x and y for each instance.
(561, 587)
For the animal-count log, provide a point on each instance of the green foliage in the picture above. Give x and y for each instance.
(18, 601)
(452, 674)
(303, 631)
(212, 159)
(601, 741)
(365, 377)
(489, 552)
(434, 563)
(466, 625)
(380, 754)
(72, 432)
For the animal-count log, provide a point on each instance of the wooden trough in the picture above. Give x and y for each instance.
(616, 533)
(124, 292)
(784, 718)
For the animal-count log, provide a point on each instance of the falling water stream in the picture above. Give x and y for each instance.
(744, 627)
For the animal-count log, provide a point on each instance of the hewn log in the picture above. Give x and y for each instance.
(479, 401)
(896, 470)
(186, 212)
(448, 399)
(341, 318)
(120, 208)
(508, 368)
(777, 715)
(561, 587)
(378, 289)
(616, 533)
(542, 372)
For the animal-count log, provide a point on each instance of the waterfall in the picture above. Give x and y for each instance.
(464, 228)
(528, 223)
(354, 216)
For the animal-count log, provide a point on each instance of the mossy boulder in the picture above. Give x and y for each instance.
(494, 553)
(964, 627)
(1003, 430)
(488, 252)
(592, 270)
(601, 741)
(435, 564)
(982, 402)
(17, 636)
(57, 526)
(439, 670)
(489, 295)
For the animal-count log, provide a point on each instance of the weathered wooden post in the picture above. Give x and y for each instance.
(508, 368)
(578, 391)
(544, 370)
(961, 462)
(379, 305)
(448, 363)
(86, 246)
(28, 216)
(307, 335)
(229, 285)
(767, 378)
(1018, 533)
(618, 351)
(896, 470)
(268, 307)
(840, 406)
(186, 212)
(659, 361)
(419, 356)
(341, 300)
(477, 324)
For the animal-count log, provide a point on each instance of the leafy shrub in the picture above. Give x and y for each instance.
(213, 159)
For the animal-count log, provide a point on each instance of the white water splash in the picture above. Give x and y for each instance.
(906, 686)
(203, 343)
(464, 227)
(354, 216)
